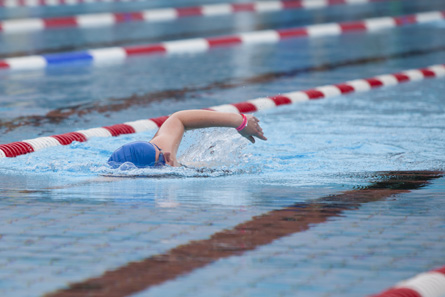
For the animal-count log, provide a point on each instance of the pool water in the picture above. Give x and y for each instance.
(67, 217)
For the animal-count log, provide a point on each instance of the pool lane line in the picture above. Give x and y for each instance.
(166, 14)
(259, 231)
(58, 115)
(428, 284)
(198, 45)
(15, 149)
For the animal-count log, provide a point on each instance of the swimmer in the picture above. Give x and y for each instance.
(162, 148)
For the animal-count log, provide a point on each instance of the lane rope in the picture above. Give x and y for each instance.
(165, 14)
(246, 6)
(37, 3)
(429, 284)
(197, 45)
(359, 85)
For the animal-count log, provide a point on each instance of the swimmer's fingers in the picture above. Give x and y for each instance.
(261, 136)
(252, 139)
(252, 129)
(247, 135)
(259, 131)
(252, 122)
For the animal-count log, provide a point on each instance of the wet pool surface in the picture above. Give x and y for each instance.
(346, 198)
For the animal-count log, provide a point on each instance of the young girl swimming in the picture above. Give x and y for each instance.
(162, 148)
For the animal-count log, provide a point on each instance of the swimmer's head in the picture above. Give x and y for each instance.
(142, 154)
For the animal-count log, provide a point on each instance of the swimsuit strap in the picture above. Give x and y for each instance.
(156, 146)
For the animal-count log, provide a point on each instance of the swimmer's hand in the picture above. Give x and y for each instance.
(252, 129)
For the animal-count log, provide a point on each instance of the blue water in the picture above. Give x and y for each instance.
(64, 219)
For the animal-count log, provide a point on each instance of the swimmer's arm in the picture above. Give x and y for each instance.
(196, 119)
(169, 136)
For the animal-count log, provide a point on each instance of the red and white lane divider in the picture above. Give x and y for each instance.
(197, 45)
(360, 85)
(239, 6)
(165, 14)
(35, 3)
(429, 284)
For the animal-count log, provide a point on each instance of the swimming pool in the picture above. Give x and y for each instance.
(63, 222)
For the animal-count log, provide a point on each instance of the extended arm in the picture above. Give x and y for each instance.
(170, 134)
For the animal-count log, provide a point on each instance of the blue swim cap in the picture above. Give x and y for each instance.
(141, 153)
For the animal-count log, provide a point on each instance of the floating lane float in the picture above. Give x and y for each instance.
(211, 8)
(157, 15)
(197, 45)
(429, 284)
(359, 85)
